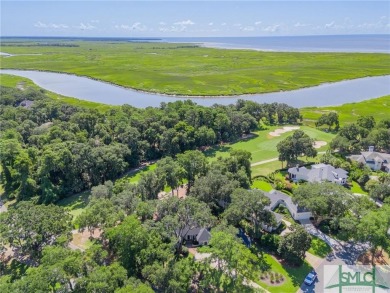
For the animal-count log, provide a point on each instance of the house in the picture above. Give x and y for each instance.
(374, 160)
(319, 173)
(200, 235)
(26, 104)
(279, 198)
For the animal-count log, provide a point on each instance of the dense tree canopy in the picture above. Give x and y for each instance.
(325, 200)
(356, 137)
(52, 149)
(29, 228)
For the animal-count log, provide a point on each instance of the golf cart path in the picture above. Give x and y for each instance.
(273, 160)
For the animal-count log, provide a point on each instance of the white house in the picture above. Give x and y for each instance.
(279, 198)
(374, 160)
(319, 173)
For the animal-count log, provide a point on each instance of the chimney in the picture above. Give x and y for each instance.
(297, 166)
(371, 148)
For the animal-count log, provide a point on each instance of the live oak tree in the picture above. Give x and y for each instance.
(324, 200)
(367, 224)
(194, 164)
(29, 227)
(293, 245)
(249, 205)
(100, 213)
(214, 188)
(229, 264)
(151, 183)
(180, 215)
(298, 144)
(329, 119)
(173, 172)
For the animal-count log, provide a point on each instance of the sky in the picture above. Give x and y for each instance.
(193, 18)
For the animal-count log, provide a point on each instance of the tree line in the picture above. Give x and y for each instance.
(52, 149)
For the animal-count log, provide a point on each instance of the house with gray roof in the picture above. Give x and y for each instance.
(374, 160)
(319, 173)
(200, 235)
(279, 198)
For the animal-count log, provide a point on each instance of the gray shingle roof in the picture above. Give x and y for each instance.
(277, 197)
(319, 172)
(203, 236)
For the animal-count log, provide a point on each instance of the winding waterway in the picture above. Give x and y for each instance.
(97, 91)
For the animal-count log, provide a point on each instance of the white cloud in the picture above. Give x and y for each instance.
(329, 25)
(248, 29)
(162, 23)
(40, 24)
(137, 26)
(185, 22)
(95, 21)
(223, 24)
(237, 25)
(272, 28)
(84, 26)
(258, 22)
(298, 24)
(211, 23)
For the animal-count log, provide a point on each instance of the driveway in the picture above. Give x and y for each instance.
(346, 255)
(3, 208)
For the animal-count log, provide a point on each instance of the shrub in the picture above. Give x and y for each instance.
(270, 241)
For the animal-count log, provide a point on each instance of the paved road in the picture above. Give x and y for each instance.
(343, 254)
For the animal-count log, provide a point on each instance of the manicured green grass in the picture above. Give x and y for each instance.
(263, 145)
(266, 169)
(348, 113)
(134, 177)
(293, 276)
(319, 247)
(262, 185)
(356, 188)
(190, 70)
(75, 204)
(17, 81)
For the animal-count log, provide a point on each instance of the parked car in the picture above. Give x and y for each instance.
(310, 278)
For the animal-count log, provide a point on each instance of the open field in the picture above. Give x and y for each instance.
(187, 69)
(348, 113)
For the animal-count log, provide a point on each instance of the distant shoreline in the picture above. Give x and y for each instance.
(357, 43)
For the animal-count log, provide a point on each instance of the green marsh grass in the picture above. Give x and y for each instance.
(186, 69)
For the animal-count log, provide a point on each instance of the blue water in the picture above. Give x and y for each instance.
(340, 43)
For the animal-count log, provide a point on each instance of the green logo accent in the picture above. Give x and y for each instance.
(358, 278)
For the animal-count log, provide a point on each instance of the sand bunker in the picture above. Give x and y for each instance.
(278, 132)
(319, 143)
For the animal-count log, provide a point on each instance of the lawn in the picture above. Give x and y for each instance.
(134, 177)
(188, 69)
(75, 204)
(348, 113)
(263, 146)
(356, 188)
(319, 247)
(262, 185)
(293, 276)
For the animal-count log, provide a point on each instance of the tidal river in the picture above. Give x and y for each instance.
(83, 88)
